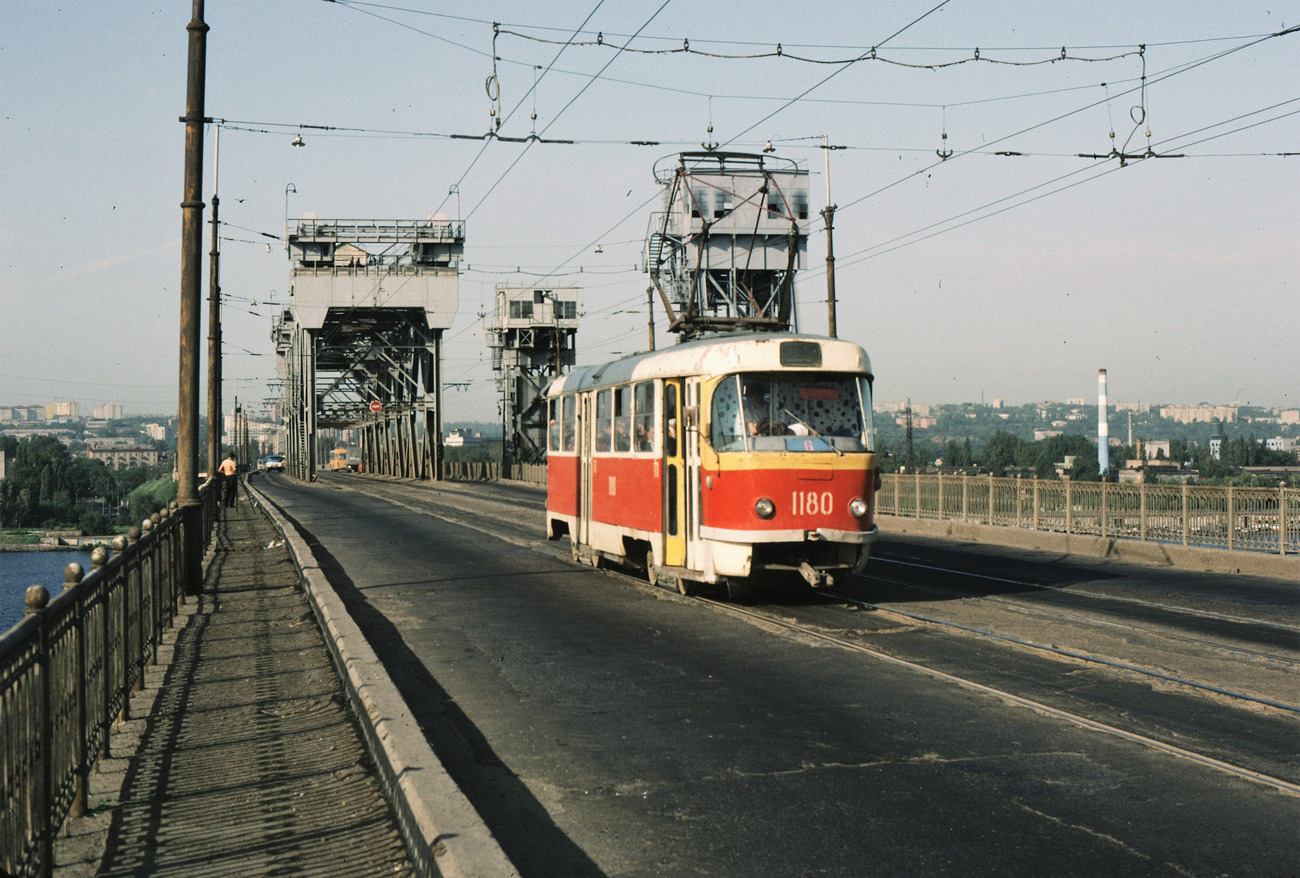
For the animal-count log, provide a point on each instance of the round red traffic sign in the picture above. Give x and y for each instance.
(376, 405)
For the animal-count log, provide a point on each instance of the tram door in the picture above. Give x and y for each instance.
(582, 537)
(674, 477)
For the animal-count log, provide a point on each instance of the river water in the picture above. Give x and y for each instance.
(21, 569)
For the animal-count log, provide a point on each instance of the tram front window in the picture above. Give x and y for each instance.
(791, 411)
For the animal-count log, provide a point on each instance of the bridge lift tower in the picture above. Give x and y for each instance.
(724, 248)
(531, 333)
(360, 344)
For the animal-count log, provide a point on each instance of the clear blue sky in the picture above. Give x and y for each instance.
(1179, 276)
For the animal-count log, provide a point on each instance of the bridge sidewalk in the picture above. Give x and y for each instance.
(240, 756)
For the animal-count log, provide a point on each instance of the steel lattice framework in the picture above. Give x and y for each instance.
(724, 248)
(360, 347)
(532, 334)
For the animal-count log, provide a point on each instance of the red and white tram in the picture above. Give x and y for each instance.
(717, 459)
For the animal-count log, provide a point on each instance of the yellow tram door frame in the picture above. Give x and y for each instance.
(674, 528)
(583, 413)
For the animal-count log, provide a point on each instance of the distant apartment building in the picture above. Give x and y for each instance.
(158, 432)
(1282, 443)
(1040, 435)
(999, 403)
(1076, 400)
(921, 423)
(22, 413)
(124, 456)
(6, 461)
(1139, 407)
(109, 411)
(1288, 416)
(1200, 414)
(268, 436)
(70, 411)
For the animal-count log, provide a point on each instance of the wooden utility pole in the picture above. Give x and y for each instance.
(650, 313)
(187, 441)
(828, 214)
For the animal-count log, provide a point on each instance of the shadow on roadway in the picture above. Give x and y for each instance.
(520, 823)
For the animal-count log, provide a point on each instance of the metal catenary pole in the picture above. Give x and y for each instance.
(214, 323)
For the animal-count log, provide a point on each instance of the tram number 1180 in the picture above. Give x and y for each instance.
(812, 503)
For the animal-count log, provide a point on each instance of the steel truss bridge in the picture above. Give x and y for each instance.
(359, 347)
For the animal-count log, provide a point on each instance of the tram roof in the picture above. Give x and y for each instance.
(741, 352)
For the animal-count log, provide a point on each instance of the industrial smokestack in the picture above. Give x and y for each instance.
(1103, 427)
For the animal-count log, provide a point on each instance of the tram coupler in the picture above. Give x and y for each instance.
(816, 578)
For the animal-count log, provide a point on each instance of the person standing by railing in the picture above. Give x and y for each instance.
(229, 475)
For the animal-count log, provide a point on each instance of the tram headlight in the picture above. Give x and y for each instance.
(765, 508)
(857, 507)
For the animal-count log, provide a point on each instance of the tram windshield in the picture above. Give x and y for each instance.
(792, 411)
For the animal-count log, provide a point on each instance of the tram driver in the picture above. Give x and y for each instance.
(757, 395)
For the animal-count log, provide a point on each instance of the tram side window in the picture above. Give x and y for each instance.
(569, 411)
(643, 428)
(553, 429)
(670, 420)
(623, 418)
(727, 428)
(604, 419)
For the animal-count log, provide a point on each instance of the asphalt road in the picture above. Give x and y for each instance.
(603, 727)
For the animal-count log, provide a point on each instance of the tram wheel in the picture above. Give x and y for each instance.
(688, 587)
(651, 574)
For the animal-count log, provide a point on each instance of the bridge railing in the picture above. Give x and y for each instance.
(67, 671)
(1256, 519)
(481, 471)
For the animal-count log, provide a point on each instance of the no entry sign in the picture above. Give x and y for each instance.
(376, 405)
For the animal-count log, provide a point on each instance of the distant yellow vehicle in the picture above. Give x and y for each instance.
(339, 459)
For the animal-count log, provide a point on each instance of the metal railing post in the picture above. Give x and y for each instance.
(1185, 513)
(1232, 517)
(1281, 519)
(98, 560)
(918, 493)
(72, 576)
(36, 599)
(1035, 502)
(1069, 507)
(1103, 509)
(128, 573)
(941, 496)
(1142, 511)
(991, 499)
(965, 498)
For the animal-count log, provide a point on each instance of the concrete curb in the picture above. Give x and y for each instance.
(443, 832)
(1126, 551)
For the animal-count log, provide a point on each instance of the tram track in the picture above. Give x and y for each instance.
(1005, 695)
(1038, 586)
(418, 499)
(1021, 607)
(1075, 654)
